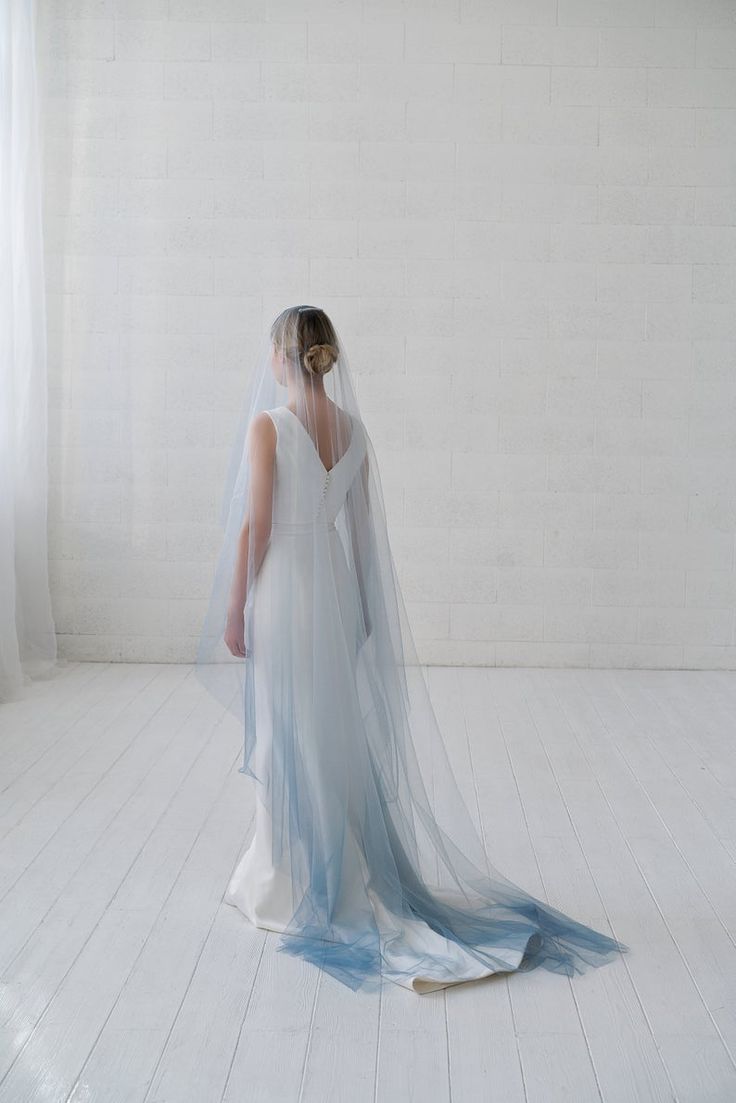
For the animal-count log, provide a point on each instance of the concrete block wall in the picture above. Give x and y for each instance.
(520, 216)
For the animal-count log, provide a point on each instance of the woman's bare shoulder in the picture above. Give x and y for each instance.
(262, 432)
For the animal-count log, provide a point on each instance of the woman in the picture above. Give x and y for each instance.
(365, 857)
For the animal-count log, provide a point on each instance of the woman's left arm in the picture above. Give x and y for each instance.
(256, 525)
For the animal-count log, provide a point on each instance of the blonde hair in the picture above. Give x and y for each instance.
(307, 337)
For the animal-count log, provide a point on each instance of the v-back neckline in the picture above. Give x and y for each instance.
(315, 450)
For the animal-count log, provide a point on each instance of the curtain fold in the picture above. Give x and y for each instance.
(27, 631)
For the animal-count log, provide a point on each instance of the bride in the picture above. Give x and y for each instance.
(365, 857)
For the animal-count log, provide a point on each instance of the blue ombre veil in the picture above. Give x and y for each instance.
(383, 871)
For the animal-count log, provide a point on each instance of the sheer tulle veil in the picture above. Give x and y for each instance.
(364, 805)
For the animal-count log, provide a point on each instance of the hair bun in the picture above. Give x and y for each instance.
(320, 358)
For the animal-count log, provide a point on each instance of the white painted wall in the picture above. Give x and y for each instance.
(520, 216)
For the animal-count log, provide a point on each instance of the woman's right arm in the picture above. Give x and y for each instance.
(359, 541)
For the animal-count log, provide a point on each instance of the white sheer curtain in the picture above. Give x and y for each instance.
(27, 635)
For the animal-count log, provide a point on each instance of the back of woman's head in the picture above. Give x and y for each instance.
(306, 337)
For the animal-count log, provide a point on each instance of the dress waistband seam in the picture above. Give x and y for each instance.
(300, 526)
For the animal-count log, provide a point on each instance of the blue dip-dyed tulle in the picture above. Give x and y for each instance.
(365, 856)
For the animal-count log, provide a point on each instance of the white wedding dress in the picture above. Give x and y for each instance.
(330, 864)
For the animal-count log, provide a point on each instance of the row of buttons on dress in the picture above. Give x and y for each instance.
(324, 492)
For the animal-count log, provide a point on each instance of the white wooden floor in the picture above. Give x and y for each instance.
(612, 794)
